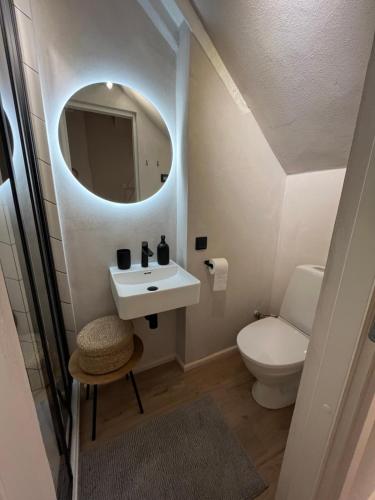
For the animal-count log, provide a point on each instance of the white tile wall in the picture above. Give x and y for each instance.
(40, 136)
(58, 255)
(25, 28)
(24, 297)
(34, 337)
(23, 327)
(53, 220)
(9, 224)
(7, 261)
(26, 35)
(4, 233)
(67, 310)
(62, 281)
(15, 295)
(24, 6)
(33, 91)
(31, 327)
(34, 379)
(47, 181)
(16, 260)
(29, 355)
(72, 340)
(8, 252)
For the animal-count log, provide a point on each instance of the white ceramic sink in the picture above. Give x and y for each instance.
(134, 289)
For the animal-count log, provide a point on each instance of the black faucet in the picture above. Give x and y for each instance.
(146, 253)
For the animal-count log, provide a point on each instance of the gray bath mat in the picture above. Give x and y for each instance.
(185, 455)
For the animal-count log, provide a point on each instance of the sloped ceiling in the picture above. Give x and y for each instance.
(300, 65)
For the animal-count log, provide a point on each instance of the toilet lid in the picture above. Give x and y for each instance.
(273, 342)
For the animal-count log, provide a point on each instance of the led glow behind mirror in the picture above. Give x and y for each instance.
(115, 142)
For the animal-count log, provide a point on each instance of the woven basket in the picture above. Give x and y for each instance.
(105, 345)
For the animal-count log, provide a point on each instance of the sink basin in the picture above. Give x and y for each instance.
(140, 291)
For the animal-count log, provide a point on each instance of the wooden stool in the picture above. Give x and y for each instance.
(95, 380)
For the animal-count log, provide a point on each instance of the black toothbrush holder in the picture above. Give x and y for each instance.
(123, 258)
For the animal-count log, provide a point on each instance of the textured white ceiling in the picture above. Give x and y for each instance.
(300, 65)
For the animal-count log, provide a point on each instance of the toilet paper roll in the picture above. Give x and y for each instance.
(220, 271)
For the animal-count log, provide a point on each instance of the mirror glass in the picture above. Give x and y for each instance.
(115, 142)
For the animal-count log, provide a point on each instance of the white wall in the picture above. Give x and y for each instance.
(235, 184)
(308, 216)
(235, 193)
(300, 66)
(81, 43)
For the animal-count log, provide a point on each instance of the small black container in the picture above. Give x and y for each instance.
(123, 258)
(163, 252)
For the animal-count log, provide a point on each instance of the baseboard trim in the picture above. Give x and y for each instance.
(74, 451)
(207, 359)
(186, 366)
(180, 362)
(154, 364)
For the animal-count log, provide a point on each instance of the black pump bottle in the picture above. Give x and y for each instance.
(163, 252)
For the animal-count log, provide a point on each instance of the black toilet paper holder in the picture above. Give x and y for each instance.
(209, 264)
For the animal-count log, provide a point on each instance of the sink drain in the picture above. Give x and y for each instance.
(152, 288)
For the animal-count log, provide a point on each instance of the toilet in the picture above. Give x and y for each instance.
(274, 348)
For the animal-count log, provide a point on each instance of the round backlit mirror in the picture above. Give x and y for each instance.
(115, 142)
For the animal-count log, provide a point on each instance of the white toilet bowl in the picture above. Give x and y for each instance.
(274, 352)
(274, 349)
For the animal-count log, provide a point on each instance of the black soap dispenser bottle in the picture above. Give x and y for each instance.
(163, 252)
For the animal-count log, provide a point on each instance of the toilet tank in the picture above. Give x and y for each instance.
(301, 297)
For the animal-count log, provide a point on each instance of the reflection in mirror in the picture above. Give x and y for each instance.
(4, 174)
(115, 142)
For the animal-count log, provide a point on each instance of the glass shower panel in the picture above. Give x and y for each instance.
(28, 335)
(27, 271)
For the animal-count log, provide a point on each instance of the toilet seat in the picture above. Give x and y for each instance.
(273, 342)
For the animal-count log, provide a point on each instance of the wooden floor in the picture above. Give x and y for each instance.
(262, 432)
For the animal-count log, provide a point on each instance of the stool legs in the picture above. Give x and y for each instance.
(94, 405)
(136, 393)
